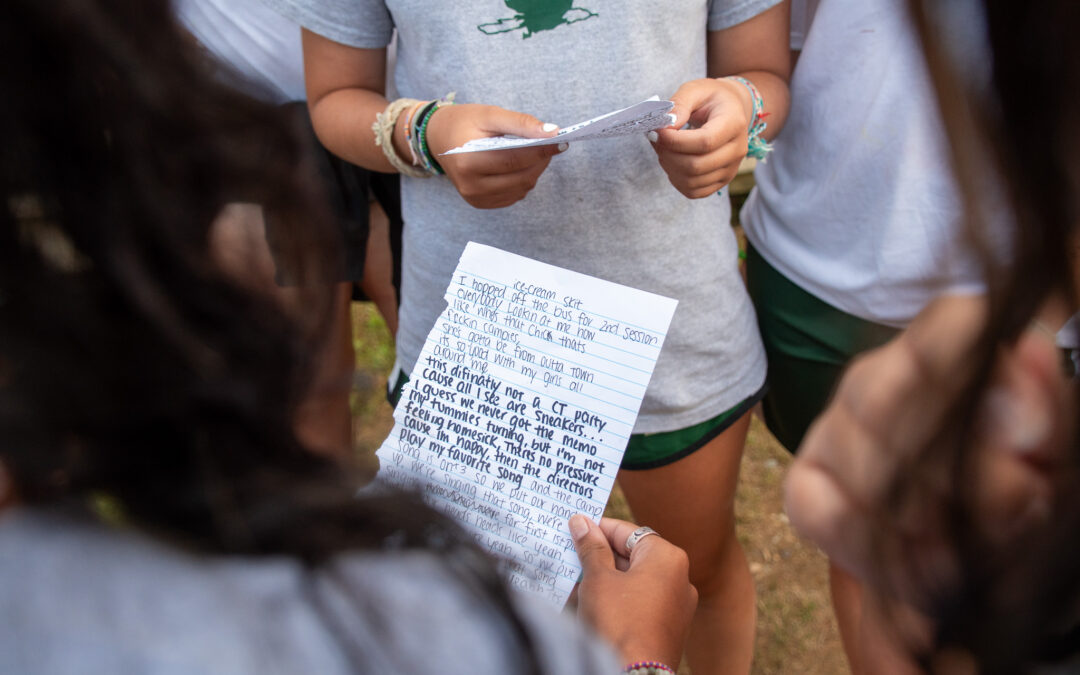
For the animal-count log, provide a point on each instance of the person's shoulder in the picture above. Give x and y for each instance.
(464, 619)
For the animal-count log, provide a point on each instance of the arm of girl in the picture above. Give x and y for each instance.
(345, 88)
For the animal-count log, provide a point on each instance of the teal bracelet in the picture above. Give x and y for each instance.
(756, 146)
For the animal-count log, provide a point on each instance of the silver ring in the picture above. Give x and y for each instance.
(637, 535)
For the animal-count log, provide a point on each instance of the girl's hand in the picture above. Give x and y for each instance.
(493, 179)
(641, 601)
(705, 157)
(884, 411)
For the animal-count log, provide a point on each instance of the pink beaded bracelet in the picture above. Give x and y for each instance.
(648, 668)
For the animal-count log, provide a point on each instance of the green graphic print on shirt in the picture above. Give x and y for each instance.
(536, 15)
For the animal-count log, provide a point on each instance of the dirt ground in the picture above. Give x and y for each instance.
(796, 633)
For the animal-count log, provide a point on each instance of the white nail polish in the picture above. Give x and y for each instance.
(653, 136)
(548, 126)
(672, 117)
(563, 147)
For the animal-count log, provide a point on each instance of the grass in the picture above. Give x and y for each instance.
(796, 632)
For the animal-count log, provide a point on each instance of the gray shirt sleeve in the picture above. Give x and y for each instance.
(727, 13)
(357, 23)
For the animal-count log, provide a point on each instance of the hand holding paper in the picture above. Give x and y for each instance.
(643, 601)
(520, 406)
(490, 181)
(639, 118)
(705, 157)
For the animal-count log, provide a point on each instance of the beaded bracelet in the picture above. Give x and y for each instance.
(648, 668)
(416, 135)
(412, 135)
(756, 146)
(426, 158)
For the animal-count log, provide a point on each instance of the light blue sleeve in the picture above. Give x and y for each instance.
(727, 13)
(357, 23)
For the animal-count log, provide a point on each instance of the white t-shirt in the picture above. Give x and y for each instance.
(257, 42)
(857, 203)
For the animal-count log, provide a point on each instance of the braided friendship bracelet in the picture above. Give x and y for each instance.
(756, 146)
(384, 134)
(648, 668)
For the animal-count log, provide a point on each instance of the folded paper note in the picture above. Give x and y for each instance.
(521, 404)
(637, 119)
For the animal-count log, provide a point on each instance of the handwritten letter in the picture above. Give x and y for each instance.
(521, 404)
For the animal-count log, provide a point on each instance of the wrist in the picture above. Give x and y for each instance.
(420, 135)
(756, 145)
(742, 93)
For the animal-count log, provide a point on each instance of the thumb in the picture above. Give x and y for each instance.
(688, 99)
(592, 546)
(501, 121)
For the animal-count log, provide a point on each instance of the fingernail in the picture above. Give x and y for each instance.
(579, 526)
(548, 126)
(653, 136)
(563, 147)
(672, 117)
(1024, 424)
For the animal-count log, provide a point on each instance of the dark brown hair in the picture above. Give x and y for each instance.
(131, 365)
(1011, 113)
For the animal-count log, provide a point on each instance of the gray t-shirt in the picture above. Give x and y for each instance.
(603, 208)
(82, 598)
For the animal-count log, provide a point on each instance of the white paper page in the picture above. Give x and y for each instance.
(637, 119)
(521, 404)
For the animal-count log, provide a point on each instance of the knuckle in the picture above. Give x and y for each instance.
(692, 595)
(508, 163)
(700, 165)
(680, 561)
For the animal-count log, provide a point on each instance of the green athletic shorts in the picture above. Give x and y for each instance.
(808, 343)
(650, 451)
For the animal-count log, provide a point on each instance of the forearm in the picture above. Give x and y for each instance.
(345, 90)
(344, 123)
(757, 50)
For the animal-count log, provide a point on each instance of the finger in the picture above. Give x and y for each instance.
(701, 141)
(498, 162)
(688, 99)
(652, 548)
(857, 455)
(592, 546)
(500, 190)
(695, 187)
(617, 531)
(822, 511)
(499, 121)
(1022, 431)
